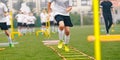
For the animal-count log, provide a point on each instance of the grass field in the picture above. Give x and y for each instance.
(31, 47)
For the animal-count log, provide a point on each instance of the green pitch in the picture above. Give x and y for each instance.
(30, 47)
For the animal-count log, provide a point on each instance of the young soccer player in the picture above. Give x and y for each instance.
(3, 24)
(52, 22)
(62, 9)
(31, 22)
(7, 18)
(43, 17)
(19, 18)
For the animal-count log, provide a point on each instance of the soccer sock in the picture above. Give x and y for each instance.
(67, 38)
(32, 30)
(18, 30)
(22, 30)
(52, 28)
(9, 40)
(61, 34)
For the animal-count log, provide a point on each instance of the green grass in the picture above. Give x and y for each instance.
(31, 47)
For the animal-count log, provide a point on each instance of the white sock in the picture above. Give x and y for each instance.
(18, 30)
(52, 28)
(67, 38)
(61, 34)
(33, 29)
(22, 30)
(9, 40)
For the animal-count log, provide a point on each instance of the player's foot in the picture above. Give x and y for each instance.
(60, 44)
(11, 45)
(66, 48)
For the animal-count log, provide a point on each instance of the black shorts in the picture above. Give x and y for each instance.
(31, 25)
(66, 19)
(3, 26)
(19, 24)
(9, 26)
(51, 23)
(24, 25)
(43, 24)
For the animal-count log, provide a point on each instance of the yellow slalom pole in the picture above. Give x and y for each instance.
(12, 28)
(11, 20)
(97, 45)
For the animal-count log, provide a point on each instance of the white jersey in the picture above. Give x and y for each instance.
(19, 18)
(52, 16)
(3, 9)
(60, 6)
(31, 20)
(25, 20)
(7, 18)
(43, 17)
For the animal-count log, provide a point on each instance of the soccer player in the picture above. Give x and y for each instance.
(7, 18)
(19, 18)
(43, 17)
(24, 23)
(31, 23)
(106, 12)
(52, 22)
(62, 9)
(3, 24)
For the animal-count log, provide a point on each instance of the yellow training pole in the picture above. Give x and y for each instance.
(97, 30)
(12, 28)
(11, 20)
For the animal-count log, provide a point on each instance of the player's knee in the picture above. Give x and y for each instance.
(67, 32)
(61, 27)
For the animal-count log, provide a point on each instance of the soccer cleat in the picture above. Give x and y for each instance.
(11, 45)
(60, 44)
(66, 48)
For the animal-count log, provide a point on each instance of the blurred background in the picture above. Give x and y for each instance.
(81, 13)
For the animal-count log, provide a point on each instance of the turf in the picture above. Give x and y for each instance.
(31, 47)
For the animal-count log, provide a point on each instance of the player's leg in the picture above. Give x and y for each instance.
(110, 21)
(5, 28)
(106, 23)
(67, 38)
(61, 26)
(52, 26)
(33, 27)
(68, 24)
(61, 34)
(18, 27)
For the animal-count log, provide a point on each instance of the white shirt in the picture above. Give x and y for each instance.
(19, 17)
(25, 8)
(8, 20)
(43, 17)
(52, 16)
(60, 6)
(26, 18)
(31, 20)
(3, 9)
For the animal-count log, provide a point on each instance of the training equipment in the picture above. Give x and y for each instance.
(13, 33)
(2, 49)
(45, 32)
(73, 54)
(7, 44)
(105, 38)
